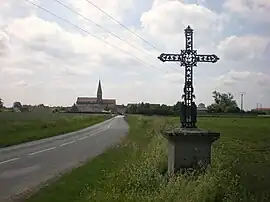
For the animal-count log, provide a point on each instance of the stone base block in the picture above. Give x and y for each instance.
(189, 148)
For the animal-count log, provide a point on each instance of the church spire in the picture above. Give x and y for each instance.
(99, 93)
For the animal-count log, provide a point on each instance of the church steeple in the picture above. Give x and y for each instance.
(99, 93)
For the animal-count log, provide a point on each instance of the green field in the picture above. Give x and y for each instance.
(17, 128)
(135, 170)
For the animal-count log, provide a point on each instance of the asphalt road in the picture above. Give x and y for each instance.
(26, 166)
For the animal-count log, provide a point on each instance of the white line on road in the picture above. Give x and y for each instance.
(10, 160)
(82, 138)
(67, 143)
(98, 131)
(64, 144)
(51, 148)
(94, 133)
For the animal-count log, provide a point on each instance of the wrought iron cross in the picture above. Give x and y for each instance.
(188, 58)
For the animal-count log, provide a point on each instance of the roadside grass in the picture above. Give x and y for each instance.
(135, 170)
(16, 128)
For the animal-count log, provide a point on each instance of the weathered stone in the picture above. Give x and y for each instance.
(189, 148)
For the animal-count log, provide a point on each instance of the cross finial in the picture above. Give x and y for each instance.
(188, 29)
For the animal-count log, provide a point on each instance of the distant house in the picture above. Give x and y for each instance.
(121, 109)
(265, 110)
(201, 108)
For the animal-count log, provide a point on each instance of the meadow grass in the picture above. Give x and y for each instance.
(135, 170)
(16, 128)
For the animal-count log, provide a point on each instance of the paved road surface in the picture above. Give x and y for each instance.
(28, 165)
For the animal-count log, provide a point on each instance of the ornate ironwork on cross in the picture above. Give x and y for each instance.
(188, 58)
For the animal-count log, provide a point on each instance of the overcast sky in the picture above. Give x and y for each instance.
(44, 60)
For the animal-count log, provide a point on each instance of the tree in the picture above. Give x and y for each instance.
(153, 109)
(223, 102)
(17, 105)
(217, 97)
(106, 108)
(177, 107)
(215, 108)
(1, 103)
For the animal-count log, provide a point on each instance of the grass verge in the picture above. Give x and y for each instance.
(16, 128)
(134, 170)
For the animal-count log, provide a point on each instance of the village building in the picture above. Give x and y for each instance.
(201, 108)
(264, 110)
(96, 104)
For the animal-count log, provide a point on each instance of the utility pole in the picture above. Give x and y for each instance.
(242, 100)
(259, 105)
(259, 108)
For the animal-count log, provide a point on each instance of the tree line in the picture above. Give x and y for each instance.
(26, 108)
(222, 103)
(1, 103)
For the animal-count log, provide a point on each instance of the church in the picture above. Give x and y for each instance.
(95, 104)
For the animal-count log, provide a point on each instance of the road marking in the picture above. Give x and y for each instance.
(67, 143)
(99, 131)
(64, 144)
(82, 138)
(10, 160)
(95, 133)
(51, 148)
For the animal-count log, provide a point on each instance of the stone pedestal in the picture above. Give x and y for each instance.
(189, 148)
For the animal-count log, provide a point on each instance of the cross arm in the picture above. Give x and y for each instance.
(207, 58)
(164, 57)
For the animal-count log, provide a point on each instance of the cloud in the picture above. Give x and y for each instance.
(40, 55)
(252, 78)
(116, 8)
(21, 83)
(51, 45)
(166, 20)
(177, 78)
(77, 71)
(239, 48)
(61, 84)
(238, 76)
(252, 10)
(4, 43)
(17, 71)
(13, 9)
(263, 79)
(131, 73)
